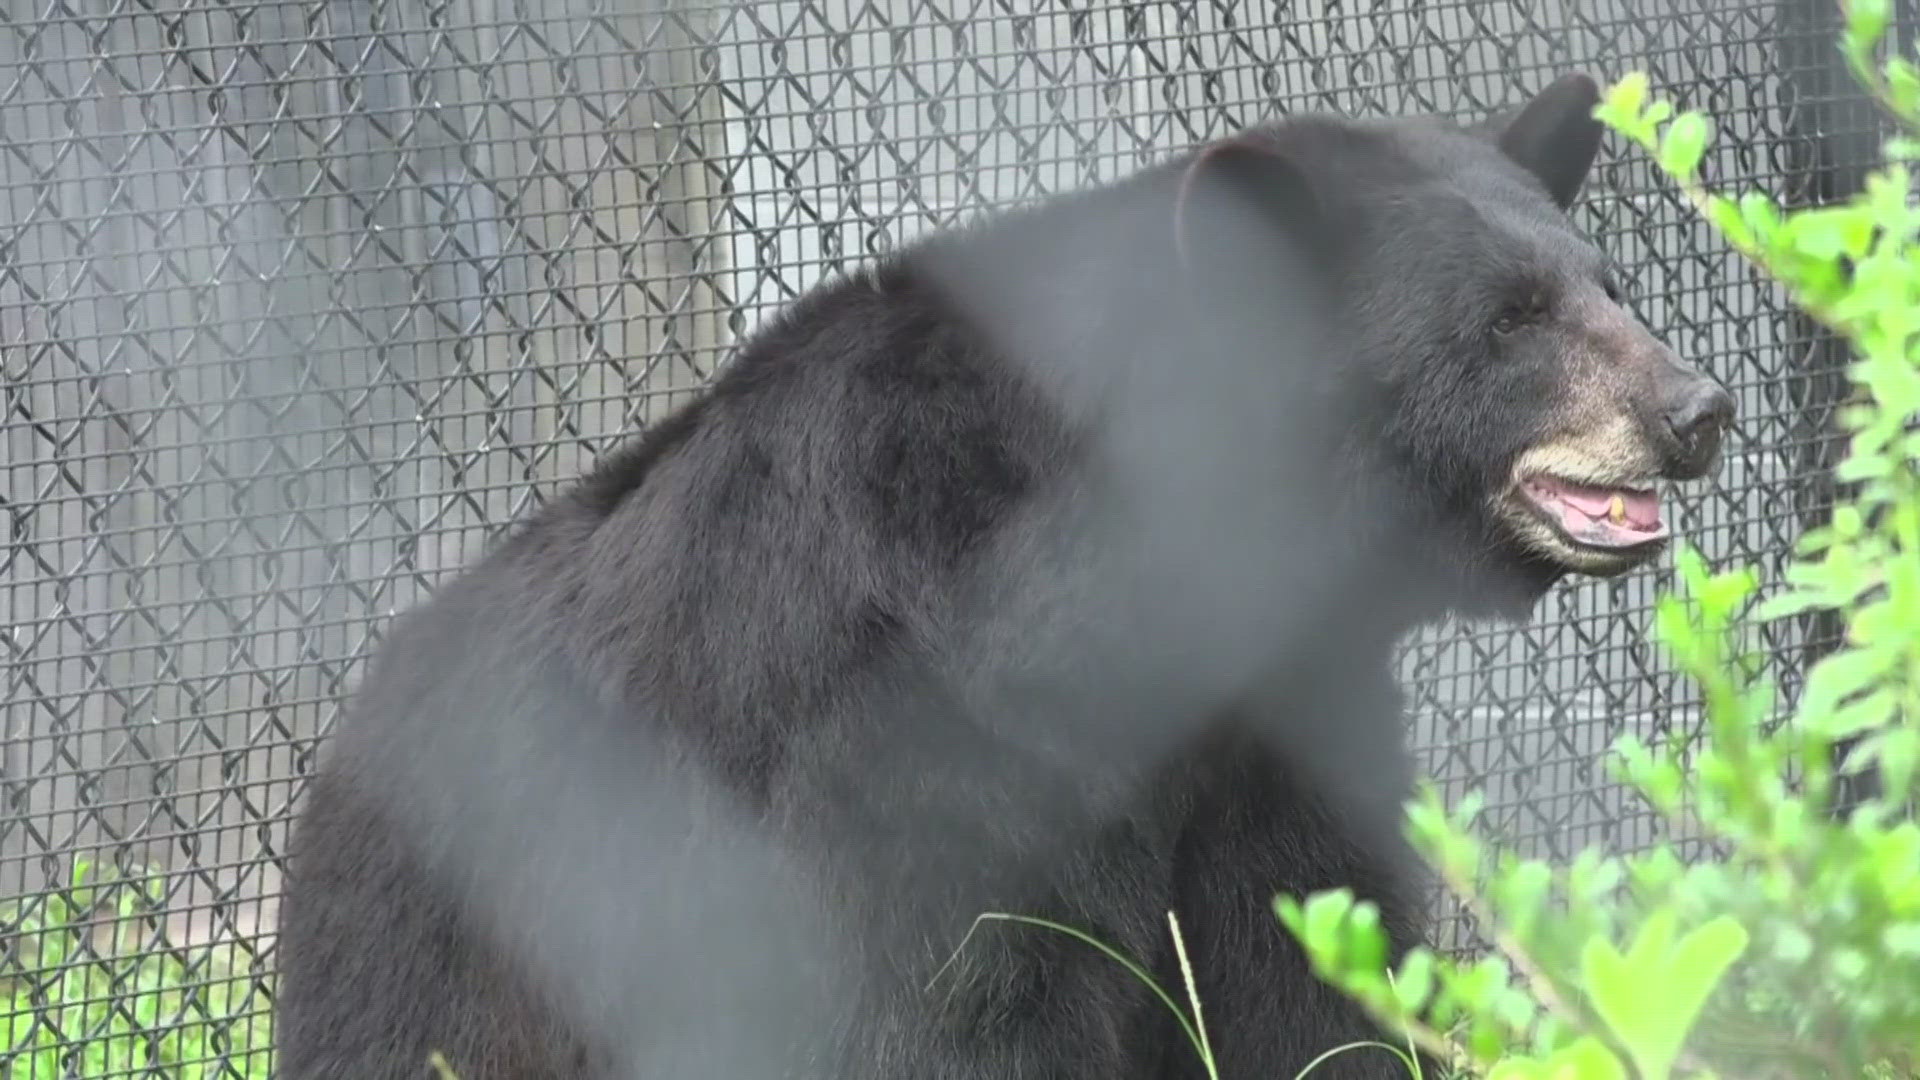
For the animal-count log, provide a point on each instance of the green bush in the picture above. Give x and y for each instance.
(1794, 949)
(87, 997)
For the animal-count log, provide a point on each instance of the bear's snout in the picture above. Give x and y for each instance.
(1694, 415)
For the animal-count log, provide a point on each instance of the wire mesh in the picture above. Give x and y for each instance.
(302, 300)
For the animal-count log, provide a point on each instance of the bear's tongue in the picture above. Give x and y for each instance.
(1608, 517)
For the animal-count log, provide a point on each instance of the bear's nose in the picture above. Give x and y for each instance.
(1697, 420)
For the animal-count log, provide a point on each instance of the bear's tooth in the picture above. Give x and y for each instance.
(1617, 509)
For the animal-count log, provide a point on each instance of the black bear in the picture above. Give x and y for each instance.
(1050, 567)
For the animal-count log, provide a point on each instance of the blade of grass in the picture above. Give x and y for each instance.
(1412, 1067)
(1193, 995)
(1193, 1036)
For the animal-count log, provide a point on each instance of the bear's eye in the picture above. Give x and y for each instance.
(1614, 292)
(1517, 316)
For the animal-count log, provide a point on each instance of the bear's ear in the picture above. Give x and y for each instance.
(1243, 191)
(1555, 136)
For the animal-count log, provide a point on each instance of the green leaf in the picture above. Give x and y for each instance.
(1761, 215)
(1624, 101)
(1902, 148)
(1651, 996)
(1586, 1058)
(1902, 939)
(1837, 677)
(1869, 713)
(1791, 945)
(1516, 1010)
(1867, 20)
(1858, 467)
(1365, 943)
(1683, 144)
(1291, 914)
(1903, 84)
(1830, 232)
(78, 890)
(1850, 964)
(1655, 872)
(1899, 757)
(1725, 215)
(1325, 913)
(1518, 1068)
(1788, 603)
(1414, 983)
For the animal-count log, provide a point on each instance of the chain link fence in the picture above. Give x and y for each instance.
(302, 300)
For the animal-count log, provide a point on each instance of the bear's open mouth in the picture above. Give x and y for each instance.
(1596, 516)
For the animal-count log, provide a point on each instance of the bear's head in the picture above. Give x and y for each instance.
(1506, 418)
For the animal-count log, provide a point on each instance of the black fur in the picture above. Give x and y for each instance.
(1052, 566)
